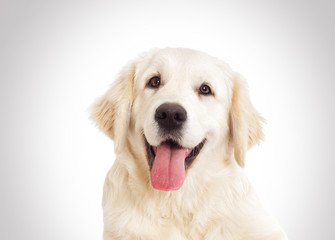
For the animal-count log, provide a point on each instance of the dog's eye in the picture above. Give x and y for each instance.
(205, 90)
(154, 82)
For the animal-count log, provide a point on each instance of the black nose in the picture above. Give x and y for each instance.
(170, 116)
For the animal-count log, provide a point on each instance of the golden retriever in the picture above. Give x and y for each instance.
(181, 122)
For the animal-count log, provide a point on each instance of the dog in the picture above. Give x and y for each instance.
(182, 122)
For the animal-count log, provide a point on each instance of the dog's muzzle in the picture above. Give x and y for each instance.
(169, 160)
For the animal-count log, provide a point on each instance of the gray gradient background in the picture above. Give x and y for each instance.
(56, 57)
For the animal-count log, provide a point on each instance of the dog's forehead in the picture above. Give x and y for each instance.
(185, 64)
(186, 60)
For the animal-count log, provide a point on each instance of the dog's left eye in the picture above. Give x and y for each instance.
(205, 89)
(154, 82)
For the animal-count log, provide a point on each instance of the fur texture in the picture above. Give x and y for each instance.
(216, 200)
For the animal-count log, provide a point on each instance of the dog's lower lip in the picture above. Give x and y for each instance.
(191, 153)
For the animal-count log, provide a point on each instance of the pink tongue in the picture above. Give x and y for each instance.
(168, 170)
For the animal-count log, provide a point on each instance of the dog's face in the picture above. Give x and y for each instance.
(181, 103)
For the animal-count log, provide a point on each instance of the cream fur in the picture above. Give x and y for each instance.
(216, 200)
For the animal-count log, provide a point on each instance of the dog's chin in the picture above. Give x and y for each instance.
(168, 163)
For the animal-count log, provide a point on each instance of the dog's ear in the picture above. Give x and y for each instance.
(245, 121)
(111, 112)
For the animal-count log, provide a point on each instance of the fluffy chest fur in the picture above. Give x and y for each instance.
(229, 210)
(142, 211)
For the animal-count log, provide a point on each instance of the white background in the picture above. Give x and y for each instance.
(56, 57)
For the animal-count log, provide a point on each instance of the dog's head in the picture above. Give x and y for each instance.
(182, 104)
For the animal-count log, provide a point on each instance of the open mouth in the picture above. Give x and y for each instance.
(168, 162)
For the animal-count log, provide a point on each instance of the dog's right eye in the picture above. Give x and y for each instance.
(154, 82)
(205, 90)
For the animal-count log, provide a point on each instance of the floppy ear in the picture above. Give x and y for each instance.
(245, 121)
(111, 112)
